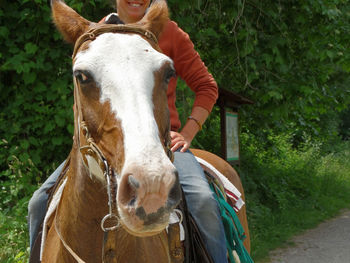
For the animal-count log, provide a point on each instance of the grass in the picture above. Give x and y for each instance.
(290, 190)
(14, 240)
(14, 195)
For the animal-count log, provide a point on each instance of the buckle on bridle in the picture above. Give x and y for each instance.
(115, 222)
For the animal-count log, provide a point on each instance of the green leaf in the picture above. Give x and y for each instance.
(48, 127)
(24, 157)
(29, 77)
(4, 32)
(25, 144)
(57, 140)
(59, 121)
(30, 48)
(275, 94)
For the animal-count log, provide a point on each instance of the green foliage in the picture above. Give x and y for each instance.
(290, 57)
(345, 126)
(14, 234)
(14, 195)
(36, 83)
(36, 122)
(288, 189)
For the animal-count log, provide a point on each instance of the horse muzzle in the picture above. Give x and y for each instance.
(146, 199)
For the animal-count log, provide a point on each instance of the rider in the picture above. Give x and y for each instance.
(201, 203)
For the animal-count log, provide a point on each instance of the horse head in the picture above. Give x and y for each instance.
(121, 80)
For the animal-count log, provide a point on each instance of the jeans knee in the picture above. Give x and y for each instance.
(206, 203)
(37, 202)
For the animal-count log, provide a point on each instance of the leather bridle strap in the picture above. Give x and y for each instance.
(112, 28)
(92, 149)
(70, 250)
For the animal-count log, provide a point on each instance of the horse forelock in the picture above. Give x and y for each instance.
(124, 68)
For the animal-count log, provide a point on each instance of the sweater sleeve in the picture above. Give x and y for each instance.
(190, 67)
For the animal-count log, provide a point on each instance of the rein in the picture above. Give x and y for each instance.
(88, 151)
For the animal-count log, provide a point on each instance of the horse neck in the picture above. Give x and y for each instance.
(86, 195)
(84, 201)
(83, 205)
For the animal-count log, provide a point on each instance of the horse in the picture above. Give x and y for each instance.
(120, 185)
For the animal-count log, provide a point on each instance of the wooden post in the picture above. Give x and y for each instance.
(223, 128)
(229, 103)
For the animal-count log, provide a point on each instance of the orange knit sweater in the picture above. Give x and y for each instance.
(176, 44)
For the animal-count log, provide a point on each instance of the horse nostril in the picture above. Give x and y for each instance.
(175, 192)
(133, 182)
(127, 191)
(132, 202)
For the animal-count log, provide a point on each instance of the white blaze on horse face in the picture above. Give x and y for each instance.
(123, 67)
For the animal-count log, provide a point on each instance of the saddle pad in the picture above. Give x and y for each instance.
(175, 219)
(52, 207)
(230, 190)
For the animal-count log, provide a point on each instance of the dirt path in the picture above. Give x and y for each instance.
(328, 243)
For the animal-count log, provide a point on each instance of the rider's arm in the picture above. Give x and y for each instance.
(190, 67)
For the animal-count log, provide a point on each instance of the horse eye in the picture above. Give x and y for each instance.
(169, 73)
(83, 77)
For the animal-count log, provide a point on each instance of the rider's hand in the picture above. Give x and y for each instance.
(178, 140)
(189, 131)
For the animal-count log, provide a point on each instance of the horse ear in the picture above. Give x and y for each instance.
(156, 17)
(68, 22)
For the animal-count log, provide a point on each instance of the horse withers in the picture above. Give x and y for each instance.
(120, 169)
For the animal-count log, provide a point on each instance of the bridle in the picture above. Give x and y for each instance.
(113, 28)
(90, 150)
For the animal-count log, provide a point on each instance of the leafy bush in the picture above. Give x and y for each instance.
(36, 109)
(290, 57)
(36, 83)
(289, 189)
(14, 195)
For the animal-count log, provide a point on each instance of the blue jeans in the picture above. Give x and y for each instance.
(37, 205)
(200, 202)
